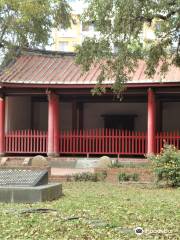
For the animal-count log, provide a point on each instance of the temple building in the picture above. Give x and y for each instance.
(46, 107)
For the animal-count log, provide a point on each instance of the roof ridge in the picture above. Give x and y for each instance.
(37, 51)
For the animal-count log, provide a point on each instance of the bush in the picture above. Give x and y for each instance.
(92, 177)
(128, 177)
(135, 177)
(166, 166)
(124, 177)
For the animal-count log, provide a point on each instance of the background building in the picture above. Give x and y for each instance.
(66, 39)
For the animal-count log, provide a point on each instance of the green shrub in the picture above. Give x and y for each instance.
(92, 177)
(124, 177)
(135, 177)
(128, 177)
(166, 166)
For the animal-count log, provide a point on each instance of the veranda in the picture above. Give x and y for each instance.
(46, 107)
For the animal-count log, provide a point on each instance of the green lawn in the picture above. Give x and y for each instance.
(104, 211)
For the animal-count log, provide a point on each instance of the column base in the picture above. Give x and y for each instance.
(53, 154)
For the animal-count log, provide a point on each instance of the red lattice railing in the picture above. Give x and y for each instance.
(93, 141)
(172, 138)
(103, 141)
(26, 141)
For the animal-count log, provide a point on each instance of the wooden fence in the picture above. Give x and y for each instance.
(94, 141)
(103, 141)
(26, 141)
(172, 138)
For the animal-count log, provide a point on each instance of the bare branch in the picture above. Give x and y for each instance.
(160, 16)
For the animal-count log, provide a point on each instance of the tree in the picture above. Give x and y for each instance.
(28, 23)
(119, 44)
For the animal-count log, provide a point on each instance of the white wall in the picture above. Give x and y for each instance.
(17, 113)
(171, 116)
(93, 112)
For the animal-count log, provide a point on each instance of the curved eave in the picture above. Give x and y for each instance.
(85, 86)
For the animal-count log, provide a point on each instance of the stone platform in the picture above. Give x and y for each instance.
(42, 193)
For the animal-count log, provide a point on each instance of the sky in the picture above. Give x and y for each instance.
(77, 5)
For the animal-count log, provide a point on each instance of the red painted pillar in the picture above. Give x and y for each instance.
(2, 120)
(53, 124)
(151, 128)
(56, 125)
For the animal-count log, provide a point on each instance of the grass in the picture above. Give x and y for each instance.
(104, 211)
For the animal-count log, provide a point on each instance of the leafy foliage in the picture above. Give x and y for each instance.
(28, 23)
(119, 45)
(124, 177)
(167, 166)
(128, 177)
(92, 177)
(135, 177)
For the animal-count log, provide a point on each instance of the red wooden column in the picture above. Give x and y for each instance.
(151, 122)
(53, 124)
(2, 120)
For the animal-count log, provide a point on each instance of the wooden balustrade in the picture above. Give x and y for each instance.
(172, 138)
(92, 141)
(103, 141)
(26, 141)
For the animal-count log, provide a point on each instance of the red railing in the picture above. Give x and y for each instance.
(26, 141)
(103, 141)
(94, 141)
(162, 138)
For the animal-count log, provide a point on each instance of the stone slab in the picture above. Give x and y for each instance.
(23, 177)
(17, 194)
(86, 162)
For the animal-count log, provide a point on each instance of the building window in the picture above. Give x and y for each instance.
(63, 46)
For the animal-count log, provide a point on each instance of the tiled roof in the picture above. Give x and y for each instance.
(48, 68)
